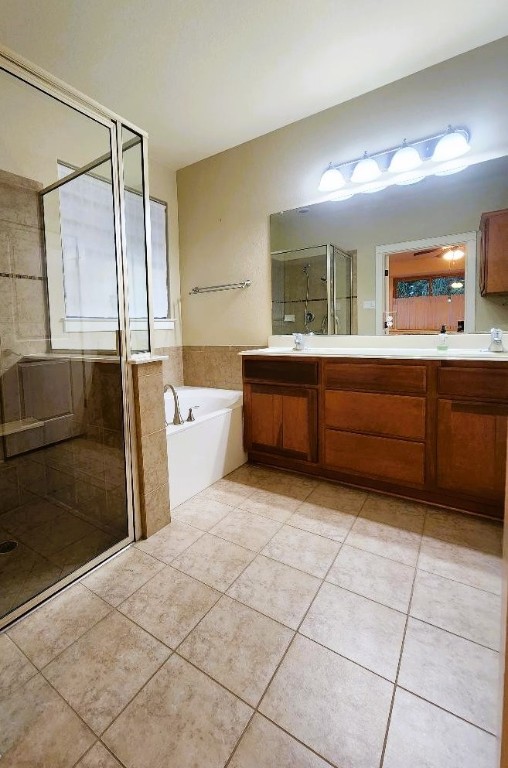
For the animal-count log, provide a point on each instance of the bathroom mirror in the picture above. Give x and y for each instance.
(401, 277)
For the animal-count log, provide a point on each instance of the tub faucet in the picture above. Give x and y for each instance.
(496, 340)
(177, 418)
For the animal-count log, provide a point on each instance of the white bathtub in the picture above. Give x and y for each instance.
(202, 451)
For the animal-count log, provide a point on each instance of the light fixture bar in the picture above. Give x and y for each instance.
(415, 153)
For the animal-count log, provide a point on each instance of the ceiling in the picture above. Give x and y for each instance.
(202, 76)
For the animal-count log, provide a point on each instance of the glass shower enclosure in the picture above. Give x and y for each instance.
(74, 306)
(312, 290)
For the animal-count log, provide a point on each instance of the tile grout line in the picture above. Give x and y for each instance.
(448, 711)
(390, 711)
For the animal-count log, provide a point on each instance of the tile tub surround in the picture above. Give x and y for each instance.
(246, 650)
(219, 367)
(172, 366)
(151, 448)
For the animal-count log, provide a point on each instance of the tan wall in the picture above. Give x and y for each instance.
(225, 201)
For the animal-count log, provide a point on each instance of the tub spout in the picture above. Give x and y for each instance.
(177, 418)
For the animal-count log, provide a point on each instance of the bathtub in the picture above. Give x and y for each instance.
(202, 451)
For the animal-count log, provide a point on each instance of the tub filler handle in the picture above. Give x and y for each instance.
(190, 417)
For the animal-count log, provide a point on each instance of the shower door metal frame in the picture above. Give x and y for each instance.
(331, 260)
(36, 77)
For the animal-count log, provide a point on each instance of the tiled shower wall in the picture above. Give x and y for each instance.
(76, 456)
(22, 284)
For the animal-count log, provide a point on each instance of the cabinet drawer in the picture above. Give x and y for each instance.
(281, 371)
(382, 457)
(376, 377)
(489, 382)
(394, 415)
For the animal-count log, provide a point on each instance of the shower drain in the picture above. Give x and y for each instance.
(7, 546)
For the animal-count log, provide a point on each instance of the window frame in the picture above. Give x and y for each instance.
(83, 324)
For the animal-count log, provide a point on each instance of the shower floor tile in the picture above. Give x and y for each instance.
(280, 633)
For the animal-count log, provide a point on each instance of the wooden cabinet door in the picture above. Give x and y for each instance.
(471, 449)
(281, 420)
(494, 253)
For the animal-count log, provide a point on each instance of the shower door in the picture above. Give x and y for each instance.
(66, 497)
(311, 290)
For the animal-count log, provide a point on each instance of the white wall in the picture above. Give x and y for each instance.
(225, 201)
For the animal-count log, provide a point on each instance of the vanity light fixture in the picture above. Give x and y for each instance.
(406, 158)
(439, 154)
(331, 180)
(453, 144)
(365, 170)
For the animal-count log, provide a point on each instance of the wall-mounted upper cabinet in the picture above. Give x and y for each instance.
(494, 253)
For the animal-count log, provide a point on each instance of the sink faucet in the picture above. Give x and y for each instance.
(299, 342)
(496, 340)
(177, 418)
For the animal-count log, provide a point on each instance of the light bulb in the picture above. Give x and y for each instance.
(454, 254)
(365, 170)
(457, 284)
(453, 144)
(405, 159)
(331, 180)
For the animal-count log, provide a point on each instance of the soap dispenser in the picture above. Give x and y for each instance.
(442, 341)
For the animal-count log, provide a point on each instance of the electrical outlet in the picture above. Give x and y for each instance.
(289, 318)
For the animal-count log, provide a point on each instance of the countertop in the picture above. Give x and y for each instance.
(394, 353)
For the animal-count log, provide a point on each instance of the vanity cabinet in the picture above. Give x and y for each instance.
(494, 253)
(426, 430)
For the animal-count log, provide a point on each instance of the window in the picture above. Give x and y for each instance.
(433, 285)
(88, 244)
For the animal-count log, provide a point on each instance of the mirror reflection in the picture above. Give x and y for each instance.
(401, 268)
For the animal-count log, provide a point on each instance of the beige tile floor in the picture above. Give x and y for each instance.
(276, 622)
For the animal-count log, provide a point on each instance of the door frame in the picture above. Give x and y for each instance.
(470, 240)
